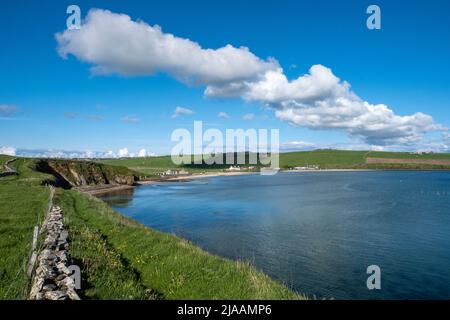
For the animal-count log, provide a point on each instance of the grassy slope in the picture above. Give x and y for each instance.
(326, 159)
(119, 258)
(340, 159)
(172, 267)
(152, 162)
(22, 206)
(3, 159)
(407, 155)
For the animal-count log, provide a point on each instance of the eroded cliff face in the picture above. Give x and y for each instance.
(75, 173)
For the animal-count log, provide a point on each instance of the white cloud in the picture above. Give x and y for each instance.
(131, 119)
(7, 110)
(248, 116)
(142, 153)
(180, 111)
(10, 151)
(223, 115)
(274, 87)
(297, 146)
(123, 152)
(114, 43)
(320, 100)
(80, 154)
(145, 153)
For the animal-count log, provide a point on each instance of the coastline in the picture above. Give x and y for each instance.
(101, 189)
(208, 175)
(331, 170)
(105, 188)
(226, 174)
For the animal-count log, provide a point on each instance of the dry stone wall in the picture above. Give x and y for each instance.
(52, 279)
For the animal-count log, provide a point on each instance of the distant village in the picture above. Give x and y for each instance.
(181, 172)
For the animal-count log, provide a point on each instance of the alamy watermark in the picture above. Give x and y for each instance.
(259, 147)
(75, 275)
(374, 20)
(73, 22)
(374, 280)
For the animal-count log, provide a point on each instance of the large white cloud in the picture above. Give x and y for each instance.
(113, 43)
(10, 151)
(320, 100)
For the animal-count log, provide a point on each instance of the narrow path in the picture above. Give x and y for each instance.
(7, 170)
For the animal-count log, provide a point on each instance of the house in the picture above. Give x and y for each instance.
(172, 173)
(308, 167)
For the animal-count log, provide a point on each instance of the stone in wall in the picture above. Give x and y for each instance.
(52, 279)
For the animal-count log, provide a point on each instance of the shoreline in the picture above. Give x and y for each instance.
(101, 189)
(331, 170)
(209, 175)
(105, 188)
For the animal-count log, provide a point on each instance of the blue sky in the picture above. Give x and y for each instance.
(48, 102)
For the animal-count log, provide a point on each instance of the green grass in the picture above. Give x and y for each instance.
(23, 202)
(105, 274)
(3, 159)
(153, 166)
(27, 174)
(340, 159)
(150, 162)
(22, 207)
(325, 159)
(407, 155)
(158, 265)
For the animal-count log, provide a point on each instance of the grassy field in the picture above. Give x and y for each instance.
(407, 155)
(325, 159)
(153, 166)
(3, 159)
(340, 159)
(119, 258)
(23, 203)
(149, 166)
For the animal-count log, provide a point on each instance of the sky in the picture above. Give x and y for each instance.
(137, 70)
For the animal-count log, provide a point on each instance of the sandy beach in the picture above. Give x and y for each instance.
(208, 175)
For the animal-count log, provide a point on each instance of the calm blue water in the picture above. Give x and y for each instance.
(316, 232)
